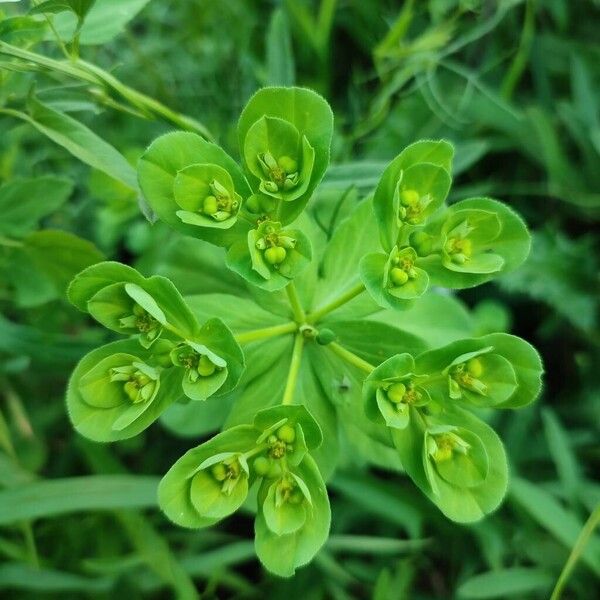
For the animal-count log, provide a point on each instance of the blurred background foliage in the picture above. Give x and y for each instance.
(512, 83)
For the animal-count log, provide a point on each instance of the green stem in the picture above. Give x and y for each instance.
(268, 332)
(83, 71)
(584, 536)
(290, 386)
(351, 358)
(314, 316)
(292, 294)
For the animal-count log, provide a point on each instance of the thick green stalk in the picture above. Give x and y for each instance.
(314, 316)
(290, 386)
(297, 310)
(350, 357)
(268, 332)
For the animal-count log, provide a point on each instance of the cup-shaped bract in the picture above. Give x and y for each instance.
(118, 390)
(126, 302)
(392, 389)
(211, 362)
(285, 137)
(477, 239)
(288, 433)
(497, 370)
(393, 280)
(279, 158)
(172, 174)
(293, 519)
(206, 196)
(457, 460)
(412, 188)
(271, 256)
(209, 482)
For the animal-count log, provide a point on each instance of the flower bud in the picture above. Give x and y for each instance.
(262, 465)
(209, 205)
(398, 276)
(286, 433)
(275, 255)
(396, 392)
(325, 336)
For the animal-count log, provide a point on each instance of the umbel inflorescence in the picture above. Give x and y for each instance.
(316, 351)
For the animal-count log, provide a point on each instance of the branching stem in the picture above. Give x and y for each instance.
(290, 386)
(267, 332)
(314, 316)
(350, 357)
(297, 310)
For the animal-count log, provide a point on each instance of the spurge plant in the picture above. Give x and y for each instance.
(340, 351)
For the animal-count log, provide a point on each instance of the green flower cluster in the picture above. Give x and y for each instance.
(419, 401)
(212, 481)
(426, 242)
(118, 390)
(198, 189)
(456, 459)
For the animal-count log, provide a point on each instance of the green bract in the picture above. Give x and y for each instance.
(120, 389)
(271, 256)
(327, 373)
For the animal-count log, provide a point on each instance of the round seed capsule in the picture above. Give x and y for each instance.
(398, 276)
(475, 367)
(261, 466)
(409, 197)
(288, 164)
(210, 205)
(219, 472)
(396, 392)
(286, 433)
(275, 255)
(205, 366)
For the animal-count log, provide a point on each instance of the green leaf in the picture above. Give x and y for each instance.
(562, 524)
(511, 244)
(506, 583)
(461, 500)
(79, 7)
(111, 417)
(280, 57)
(521, 355)
(56, 256)
(50, 498)
(90, 281)
(178, 496)
(283, 554)
(157, 171)
(352, 239)
(103, 22)
(24, 202)
(310, 114)
(407, 195)
(249, 259)
(80, 141)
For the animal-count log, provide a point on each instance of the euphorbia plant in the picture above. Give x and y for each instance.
(326, 346)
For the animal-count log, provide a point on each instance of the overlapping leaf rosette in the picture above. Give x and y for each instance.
(429, 404)
(212, 481)
(427, 243)
(399, 396)
(198, 189)
(118, 390)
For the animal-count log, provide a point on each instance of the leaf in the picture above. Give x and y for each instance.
(78, 7)
(164, 159)
(20, 576)
(562, 524)
(352, 239)
(280, 57)
(59, 255)
(103, 22)
(310, 114)
(55, 497)
(24, 202)
(506, 583)
(98, 423)
(283, 554)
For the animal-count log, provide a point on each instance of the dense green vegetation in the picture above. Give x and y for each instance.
(86, 87)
